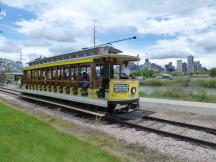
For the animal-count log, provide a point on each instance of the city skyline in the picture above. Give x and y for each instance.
(166, 30)
(182, 65)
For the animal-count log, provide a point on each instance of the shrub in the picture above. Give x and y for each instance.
(181, 94)
(209, 83)
(175, 73)
(153, 82)
(175, 92)
(170, 92)
(202, 94)
(166, 82)
(144, 73)
(183, 81)
(213, 72)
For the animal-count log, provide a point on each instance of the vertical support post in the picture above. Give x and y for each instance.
(58, 89)
(93, 75)
(69, 75)
(71, 91)
(52, 88)
(79, 92)
(64, 90)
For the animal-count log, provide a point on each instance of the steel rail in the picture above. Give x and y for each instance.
(191, 126)
(160, 132)
(99, 115)
(9, 91)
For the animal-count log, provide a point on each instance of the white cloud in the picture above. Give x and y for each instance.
(30, 5)
(11, 49)
(160, 17)
(33, 52)
(8, 49)
(208, 60)
(57, 30)
(7, 46)
(62, 26)
(197, 21)
(175, 48)
(206, 40)
(66, 19)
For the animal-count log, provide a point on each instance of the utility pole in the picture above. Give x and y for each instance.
(94, 35)
(137, 61)
(1, 14)
(21, 55)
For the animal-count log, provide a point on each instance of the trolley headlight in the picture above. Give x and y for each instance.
(133, 90)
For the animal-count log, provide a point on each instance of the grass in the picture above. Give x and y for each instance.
(27, 139)
(178, 93)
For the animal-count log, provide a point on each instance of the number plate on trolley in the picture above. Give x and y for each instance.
(121, 88)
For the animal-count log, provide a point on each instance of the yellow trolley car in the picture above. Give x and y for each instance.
(91, 76)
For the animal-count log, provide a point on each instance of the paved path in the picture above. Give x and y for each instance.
(186, 106)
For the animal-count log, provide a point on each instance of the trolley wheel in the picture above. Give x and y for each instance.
(111, 108)
(134, 106)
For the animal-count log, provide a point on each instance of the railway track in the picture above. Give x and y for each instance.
(12, 92)
(130, 124)
(185, 125)
(158, 131)
(47, 101)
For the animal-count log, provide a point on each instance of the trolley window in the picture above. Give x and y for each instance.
(85, 69)
(66, 72)
(49, 75)
(73, 73)
(98, 72)
(117, 71)
(54, 73)
(29, 74)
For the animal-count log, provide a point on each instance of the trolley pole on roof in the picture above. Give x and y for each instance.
(110, 43)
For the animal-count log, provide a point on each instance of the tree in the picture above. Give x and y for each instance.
(175, 73)
(145, 73)
(213, 72)
(2, 78)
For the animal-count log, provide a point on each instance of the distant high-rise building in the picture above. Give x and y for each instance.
(150, 66)
(204, 69)
(146, 60)
(147, 64)
(169, 67)
(197, 66)
(190, 64)
(132, 65)
(155, 67)
(179, 66)
(184, 67)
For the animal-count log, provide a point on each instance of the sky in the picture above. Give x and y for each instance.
(166, 30)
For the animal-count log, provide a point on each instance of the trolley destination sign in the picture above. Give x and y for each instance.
(121, 88)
